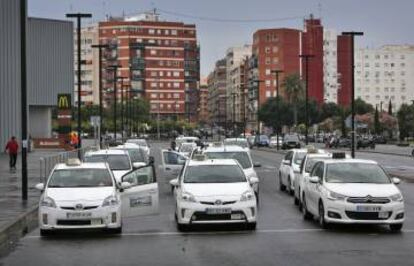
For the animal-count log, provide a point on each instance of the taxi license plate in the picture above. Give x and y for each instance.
(218, 211)
(383, 215)
(237, 216)
(368, 208)
(96, 221)
(73, 215)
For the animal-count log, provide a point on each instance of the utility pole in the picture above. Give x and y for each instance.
(277, 72)
(115, 70)
(258, 104)
(23, 99)
(352, 34)
(234, 113)
(79, 17)
(100, 47)
(306, 57)
(122, 107)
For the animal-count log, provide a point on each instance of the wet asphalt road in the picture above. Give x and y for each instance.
(282, 237)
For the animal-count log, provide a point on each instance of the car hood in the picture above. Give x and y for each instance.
(65, 195)
(216, 189)
(363, 190)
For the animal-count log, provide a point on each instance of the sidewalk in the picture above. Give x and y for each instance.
(12, 207)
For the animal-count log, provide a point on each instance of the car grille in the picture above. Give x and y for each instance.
(369, 200)
(202, 216)
(73, 222)
(84, 208)
(212, 203)
(365, 215)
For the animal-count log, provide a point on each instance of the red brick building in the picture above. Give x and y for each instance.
(312, 44)
(160, 61)
(344, 55)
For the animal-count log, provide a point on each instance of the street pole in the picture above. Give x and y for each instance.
(79, 17)
(234, 113)
(115, 70)
(122, 107)
(352, 34)
(277, 72)
(306, 57)
(23, 69)
(100, 47)
(258, 104)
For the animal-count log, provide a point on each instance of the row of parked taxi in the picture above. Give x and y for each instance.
(335, 188)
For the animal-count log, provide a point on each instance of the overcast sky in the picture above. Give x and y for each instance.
(382, 21)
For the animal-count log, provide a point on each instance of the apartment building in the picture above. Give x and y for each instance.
(159, 60)
(202, 110)
(330, 66)
(217, 100)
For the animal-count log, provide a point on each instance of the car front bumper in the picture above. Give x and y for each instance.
(393, 213)
(196, 213)
(100, 217)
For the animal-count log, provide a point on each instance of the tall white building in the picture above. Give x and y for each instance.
(235, 90)
(384, 74)
(330, 73)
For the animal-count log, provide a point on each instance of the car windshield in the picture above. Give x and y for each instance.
(116, 162)
(311, 162)
(274, 138)
(186, 148)
(214, 174)
(136, 155)
(356, 173)
(80, 178)
(264, 138)
(240, 143)
(242, 157)
(299, 157)
(139, 142)
(291, 138)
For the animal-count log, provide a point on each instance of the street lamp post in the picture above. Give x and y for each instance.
(306, 57)
(233, 94)
(122, 106)
(79, 17)
(277, 72)
(100, 47)
(352, 34)
(115, 70)
(258, 103)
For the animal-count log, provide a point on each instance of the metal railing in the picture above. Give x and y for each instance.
(49, 162)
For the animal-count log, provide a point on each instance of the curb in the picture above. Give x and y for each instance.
(17, 228)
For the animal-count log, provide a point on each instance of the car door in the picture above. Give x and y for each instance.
(172, 163)
(314, 188)
(142, 197)
(286, 166)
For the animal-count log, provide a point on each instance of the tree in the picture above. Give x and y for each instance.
(294, 90)
(275, 113)
(361, 107)
(329, 110)
(377, 124)
(406, 120)
(313, 110)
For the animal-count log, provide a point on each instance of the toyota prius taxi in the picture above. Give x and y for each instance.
(211, 191)
(352, 191)
(86, 196)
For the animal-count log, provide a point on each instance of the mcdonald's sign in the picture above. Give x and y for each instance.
(64, 101)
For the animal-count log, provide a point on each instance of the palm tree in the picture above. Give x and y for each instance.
(294, 91)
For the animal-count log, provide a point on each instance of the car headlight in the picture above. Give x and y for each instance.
(397, 197)
(110, 201)
(185, 196)
(48, 202)
(335, 196)
(247, 196)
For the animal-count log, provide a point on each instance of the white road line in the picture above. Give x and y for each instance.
(264, 231)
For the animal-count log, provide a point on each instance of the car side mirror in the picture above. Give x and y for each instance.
(174, 182)
(396, 180)
(253, 180)
(137, 165)
(257, 164)
(125, 185)
(314, 179)
(40, 186)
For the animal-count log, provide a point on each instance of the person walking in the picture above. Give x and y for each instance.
(12, 146)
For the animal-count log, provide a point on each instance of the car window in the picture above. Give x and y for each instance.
(80, 178)
(173, 158)
(292, 138)
(116, 162)
(299, 157)
(214, 174)
(137, 155)
(310, 163)
(289, 156)
(241, 156)
(140, 176)
(318, 170)
(356, 173)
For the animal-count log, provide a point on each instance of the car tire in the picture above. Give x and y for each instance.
(306, 214)
(45, 233)
(396, 227)
(289, 187)
(182, 227)
(322, 222)
(251, 226)
(295, 201)
(281, 186)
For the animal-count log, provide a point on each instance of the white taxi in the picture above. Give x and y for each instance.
(289, 167)
(142, 143)
(352, 191)
(211, 191)
(86, 196)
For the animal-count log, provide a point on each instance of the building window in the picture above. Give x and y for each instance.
(161, 85)
(173, 32)
(153, 73)
(153, 84)
(275, 49)
(153, 52)
(153, 95)
(267, 49)
(176, 95)
(168, 73)
(267, 61)
(158, 31)
(151, 31)
(268, 82)
(176, 85)
(275, 60)
(176, 74)
(268, 94)
(267, 71)
(161, 73)
(167, 32)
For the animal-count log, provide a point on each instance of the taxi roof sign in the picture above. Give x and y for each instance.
(338, 155)
(73, 162)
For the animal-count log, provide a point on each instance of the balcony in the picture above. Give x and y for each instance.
(137, 63)
(136, 45)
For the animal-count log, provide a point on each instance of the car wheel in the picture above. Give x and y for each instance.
(396, 227)
(257, 198)
(295, 200)
(45, 233)
(251, 226)
(281, 186)
(182, 227)
(306, 214)
(289, 187)
(322, 221)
